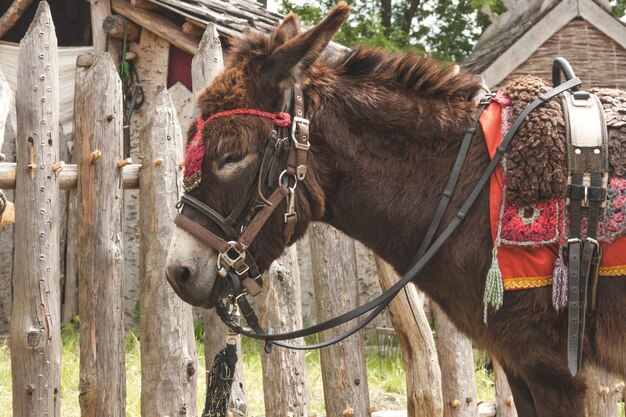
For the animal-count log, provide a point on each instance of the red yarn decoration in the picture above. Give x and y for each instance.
(195, 151)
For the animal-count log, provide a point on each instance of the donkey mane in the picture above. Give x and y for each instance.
(421, 75)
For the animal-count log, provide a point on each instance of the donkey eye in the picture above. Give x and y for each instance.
(231, 159)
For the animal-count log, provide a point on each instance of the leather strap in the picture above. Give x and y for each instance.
(380, 302)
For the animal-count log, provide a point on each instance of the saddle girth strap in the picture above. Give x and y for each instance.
(588, 177)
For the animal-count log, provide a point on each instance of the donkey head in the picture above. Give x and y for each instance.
(225, 152)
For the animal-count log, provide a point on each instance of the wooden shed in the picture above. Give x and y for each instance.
(527, 38)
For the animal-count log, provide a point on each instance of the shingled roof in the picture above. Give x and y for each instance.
(516, 34)
(229, 16)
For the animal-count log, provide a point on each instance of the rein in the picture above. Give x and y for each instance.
(240, 269)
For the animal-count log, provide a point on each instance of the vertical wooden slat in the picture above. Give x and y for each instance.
(35, 328)
(7, 149)
(456, 360)
(151, 66)
(602, 397)
(423, 375)
(206, 64)
(100, 265)
(505, 405)
(168, 352)
(100, 9)
(284, 370)
(336, 291)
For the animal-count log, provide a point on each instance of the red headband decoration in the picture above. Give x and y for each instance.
(195, 150)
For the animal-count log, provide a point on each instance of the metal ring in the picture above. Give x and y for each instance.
(295, 181)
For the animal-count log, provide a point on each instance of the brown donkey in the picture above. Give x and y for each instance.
(385, 131)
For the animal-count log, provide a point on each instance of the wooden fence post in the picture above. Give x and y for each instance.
(505, 405)
(35, 321)
(602, 397)
(336, 291)
(206, 64)
(168, 352)
(423, 375)
(284, 370)
(7, 149)
(456, 359)
(98, 148)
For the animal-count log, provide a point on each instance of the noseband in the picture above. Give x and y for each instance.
(288, 148)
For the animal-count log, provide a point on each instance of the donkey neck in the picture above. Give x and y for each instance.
(382, 171)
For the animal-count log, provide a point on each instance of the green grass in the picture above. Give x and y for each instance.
(386, 377)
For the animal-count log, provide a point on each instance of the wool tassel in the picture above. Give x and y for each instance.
(559, 283)
(494, 287)
(220, 381)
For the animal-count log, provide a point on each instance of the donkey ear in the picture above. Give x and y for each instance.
(301, 51)
(290, 26)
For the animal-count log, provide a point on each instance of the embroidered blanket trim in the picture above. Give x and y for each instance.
(530, 264)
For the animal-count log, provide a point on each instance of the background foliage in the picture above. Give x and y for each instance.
(448, 29)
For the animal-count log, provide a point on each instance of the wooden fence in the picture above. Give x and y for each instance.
(168, 357)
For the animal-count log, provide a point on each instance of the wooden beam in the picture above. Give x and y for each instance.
(12, 15)
(344, 375)
(192, 29)
(68, 176)
(419, 355)
(99, 142)
(525, 46)
(284, 370)
(100, 9)
(168, 350)
(35, 325)
(158, 25)
(117, 28)
(603, 21)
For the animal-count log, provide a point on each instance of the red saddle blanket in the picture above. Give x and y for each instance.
(531, 264)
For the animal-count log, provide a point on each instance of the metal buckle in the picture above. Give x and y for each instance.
(226, 256)
(303, 146)
(486, 99)
(286, 184)
(574, 240)
(301, 172)
(582, 99)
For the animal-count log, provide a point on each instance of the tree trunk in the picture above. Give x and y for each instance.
(408, 15)
(35, 321)
(168, 351)
(456, 359)
(99, 145)
(336, 291)
(603, 393)
(505, 406)
(385, 15)
(284, 370)
(206, 64)
(423, 376)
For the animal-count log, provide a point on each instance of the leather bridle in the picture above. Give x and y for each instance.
(288, 148)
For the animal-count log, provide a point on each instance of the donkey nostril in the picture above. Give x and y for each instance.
(183, 274)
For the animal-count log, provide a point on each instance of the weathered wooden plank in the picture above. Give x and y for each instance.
(67, 176)
(101, 261)
(35, 325)
(423, 375)
(505, 405)
(602, 397)
(6, 102)
(215, 330)
(168, 352)
(208, 61)
(456, 360)
(151, 67)
(118, 29)
(12, 15)
(6, 242)
(184, 103)
(100, 9)
(284, 370)
(336, 291)
(158, 25)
